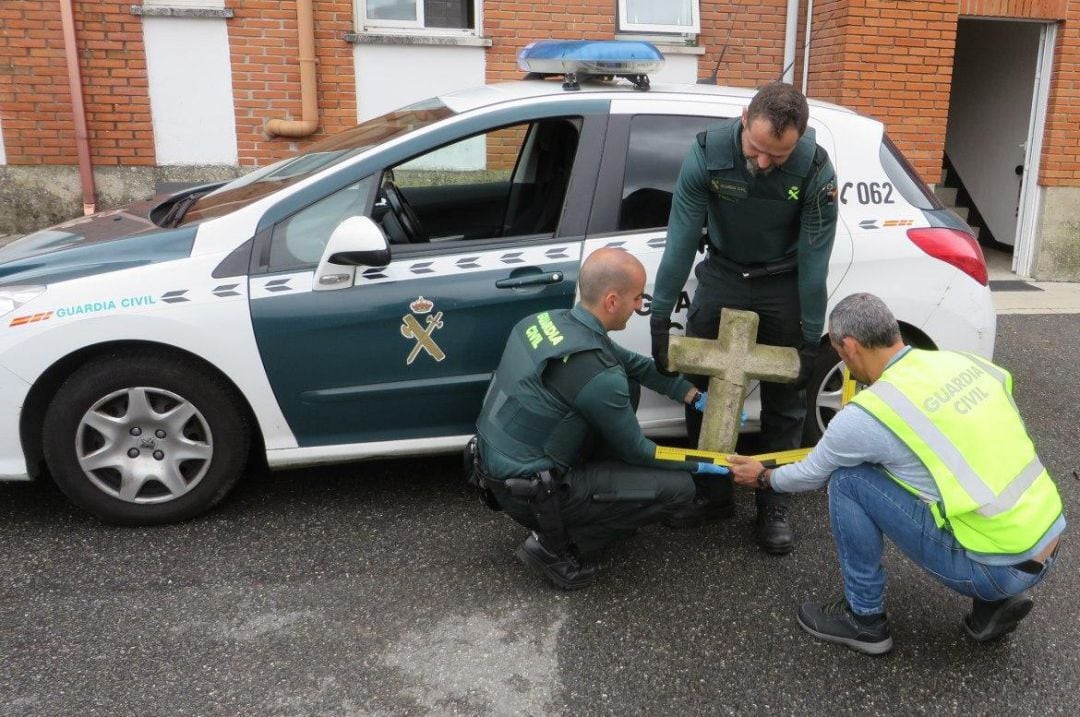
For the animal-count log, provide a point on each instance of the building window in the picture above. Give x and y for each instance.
(419, 14)
(671, 16)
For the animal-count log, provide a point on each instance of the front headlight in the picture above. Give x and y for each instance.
(12, 297)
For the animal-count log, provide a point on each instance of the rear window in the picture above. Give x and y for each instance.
(904, 179)
(658, 146)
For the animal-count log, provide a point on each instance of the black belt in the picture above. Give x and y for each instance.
(756, 271)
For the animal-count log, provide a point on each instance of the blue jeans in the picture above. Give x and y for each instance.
(865, 503)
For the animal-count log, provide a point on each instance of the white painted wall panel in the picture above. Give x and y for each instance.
(392, 76)
(989, 113)
(191, 100)
(677, 68)
(3, 155)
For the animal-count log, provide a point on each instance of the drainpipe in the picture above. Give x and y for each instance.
(791, 29)
(309, 102)
(78, 109)
(806, 48)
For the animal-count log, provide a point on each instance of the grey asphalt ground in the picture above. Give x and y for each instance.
(384, 588)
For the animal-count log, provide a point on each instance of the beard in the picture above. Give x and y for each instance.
(755, 171)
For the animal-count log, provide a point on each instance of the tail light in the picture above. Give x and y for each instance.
(953, 246)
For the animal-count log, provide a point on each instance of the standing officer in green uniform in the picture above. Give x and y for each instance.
(766, 193)
(559, 445)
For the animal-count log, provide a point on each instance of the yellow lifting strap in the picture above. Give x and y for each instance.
(769, 460)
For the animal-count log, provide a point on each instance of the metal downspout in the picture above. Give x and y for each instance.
(806, 47)
(78, 109)
(791, 30)
(309, 101)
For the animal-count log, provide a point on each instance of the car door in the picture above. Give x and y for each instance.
(407, 351)
(647, 141)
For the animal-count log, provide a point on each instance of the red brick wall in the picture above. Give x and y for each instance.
(892, 60)
(752, 32)
(264, 46)
(1040, 9)
(1060, 164)
(35, 100)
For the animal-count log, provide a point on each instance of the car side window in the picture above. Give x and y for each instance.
(507, 182)
(299, 241)
(658, 146)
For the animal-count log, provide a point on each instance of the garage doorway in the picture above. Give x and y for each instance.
(997, 110)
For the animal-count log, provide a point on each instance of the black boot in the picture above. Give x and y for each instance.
(772, 529)
(564, 571)
(701, 511)
(990, 620)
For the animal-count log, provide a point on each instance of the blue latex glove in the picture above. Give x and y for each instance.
(700, 401)
(711, 469)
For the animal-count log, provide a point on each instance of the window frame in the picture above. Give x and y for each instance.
(694, 28)
(417, 27)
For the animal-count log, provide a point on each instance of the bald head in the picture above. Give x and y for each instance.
(611, 285)
(608, 270)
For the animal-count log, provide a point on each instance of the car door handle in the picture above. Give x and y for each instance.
(516, 282)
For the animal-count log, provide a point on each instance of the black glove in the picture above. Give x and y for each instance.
(808, 354)
(660, 328)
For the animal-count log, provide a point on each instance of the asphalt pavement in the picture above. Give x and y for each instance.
(385, 589)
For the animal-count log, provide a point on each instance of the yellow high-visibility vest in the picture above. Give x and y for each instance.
(955, 411)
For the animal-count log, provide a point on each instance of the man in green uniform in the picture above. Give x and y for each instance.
(559, 445)
(766, 192)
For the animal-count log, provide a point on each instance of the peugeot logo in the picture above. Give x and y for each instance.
(146, 443)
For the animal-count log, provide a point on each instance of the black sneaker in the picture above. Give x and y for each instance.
(835, 622)
(565, 571)
(700, 512)
(990, 620)
(772, 529)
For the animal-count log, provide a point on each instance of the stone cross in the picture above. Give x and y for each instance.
(730, 361)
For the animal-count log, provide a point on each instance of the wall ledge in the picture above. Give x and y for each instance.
(159, 11)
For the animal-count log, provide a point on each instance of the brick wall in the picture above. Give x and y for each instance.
(891, 60)
(264, 46)
(35, 100)
(1060, 164)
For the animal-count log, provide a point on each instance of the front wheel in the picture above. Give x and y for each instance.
(145, 439)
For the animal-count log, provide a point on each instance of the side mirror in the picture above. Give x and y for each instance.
(357, 241)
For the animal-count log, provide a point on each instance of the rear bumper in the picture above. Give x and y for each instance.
(965, 319)
(13, 391)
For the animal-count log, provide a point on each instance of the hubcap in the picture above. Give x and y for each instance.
(144, 445)
(829, 396)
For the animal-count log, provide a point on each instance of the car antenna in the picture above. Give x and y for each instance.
(711, 80)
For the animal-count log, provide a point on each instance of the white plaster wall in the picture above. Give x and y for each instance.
(681, 69)
(392, 76)
(989, 113)
(3, 155)
(191, 100)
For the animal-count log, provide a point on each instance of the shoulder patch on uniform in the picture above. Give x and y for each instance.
(568, 376)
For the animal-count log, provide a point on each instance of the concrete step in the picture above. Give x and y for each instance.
(947, 195)
(962, 212)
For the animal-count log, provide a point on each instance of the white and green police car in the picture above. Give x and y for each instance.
(351, 302)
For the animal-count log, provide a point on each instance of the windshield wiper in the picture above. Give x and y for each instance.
(178, 210)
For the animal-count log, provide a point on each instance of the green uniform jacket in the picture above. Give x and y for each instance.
(532, 420)
(790, 212)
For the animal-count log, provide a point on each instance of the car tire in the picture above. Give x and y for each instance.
(145, 438)
(823, 394)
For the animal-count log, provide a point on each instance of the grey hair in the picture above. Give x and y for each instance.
(865, 318)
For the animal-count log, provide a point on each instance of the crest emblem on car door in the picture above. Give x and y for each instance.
(411, 328)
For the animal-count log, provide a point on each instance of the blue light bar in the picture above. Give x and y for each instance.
(590, 57)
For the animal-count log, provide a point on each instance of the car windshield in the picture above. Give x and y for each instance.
(325, 153)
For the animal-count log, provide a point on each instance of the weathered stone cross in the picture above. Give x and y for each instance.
(730, 361)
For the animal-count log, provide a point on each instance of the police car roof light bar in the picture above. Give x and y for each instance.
(577, 60)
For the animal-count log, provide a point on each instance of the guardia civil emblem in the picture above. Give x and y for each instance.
(411, 328)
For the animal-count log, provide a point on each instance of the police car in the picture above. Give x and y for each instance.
(351, 302)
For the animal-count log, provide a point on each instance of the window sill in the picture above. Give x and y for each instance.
(390, 38)
(160, 11)
(667, 44)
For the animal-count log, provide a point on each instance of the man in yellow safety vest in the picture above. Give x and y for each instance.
(934, 455)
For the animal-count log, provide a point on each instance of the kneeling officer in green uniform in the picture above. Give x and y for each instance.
(559, 444)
